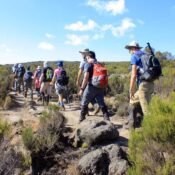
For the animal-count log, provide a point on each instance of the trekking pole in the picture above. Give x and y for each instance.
(149, 46)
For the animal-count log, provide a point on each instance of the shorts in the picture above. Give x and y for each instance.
(60, 90)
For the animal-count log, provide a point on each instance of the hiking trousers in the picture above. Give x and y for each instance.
(28, 86)
(91, 93)
(143, 95)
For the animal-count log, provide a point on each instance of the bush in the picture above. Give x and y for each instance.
(152, 150)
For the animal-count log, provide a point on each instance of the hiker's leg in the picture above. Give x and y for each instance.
(146, 90)
(100, 100)
(88, 95)
(131, 122)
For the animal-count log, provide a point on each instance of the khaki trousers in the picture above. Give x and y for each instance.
(143, 95)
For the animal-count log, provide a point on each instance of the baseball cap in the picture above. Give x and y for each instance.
(84, 51)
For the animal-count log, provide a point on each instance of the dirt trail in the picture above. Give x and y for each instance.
(24, 115)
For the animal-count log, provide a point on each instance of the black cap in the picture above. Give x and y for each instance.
(91, 54)
(84, 51)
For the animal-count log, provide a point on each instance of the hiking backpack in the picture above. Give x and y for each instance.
(20, 72)
(49, 74)
(99, 76)
(152, 69)
(28, 76)
(62, 79)
(38, 73)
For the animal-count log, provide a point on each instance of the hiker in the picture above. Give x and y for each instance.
(61, 81)
(81, 67)
(20, 74)
(89, 91)
(80, 73)
(142, 96)
(45, 79)
(28, 78)
(36, 78)
(14, 71)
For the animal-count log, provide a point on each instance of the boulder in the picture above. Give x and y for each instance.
(95, 132)
(108, 160)
(95, 162)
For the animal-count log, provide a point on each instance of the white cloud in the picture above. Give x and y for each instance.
(46, 46)
(79, 26)
(50, 36)
(77, 40)
(126, 25)
(114, 7)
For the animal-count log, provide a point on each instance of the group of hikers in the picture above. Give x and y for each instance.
(145, 68)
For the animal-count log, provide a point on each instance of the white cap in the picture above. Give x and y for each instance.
(45, 64)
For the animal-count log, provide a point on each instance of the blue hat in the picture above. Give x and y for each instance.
(60, 63)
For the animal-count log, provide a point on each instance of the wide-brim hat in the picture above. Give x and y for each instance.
(133, 44)
(84, 51)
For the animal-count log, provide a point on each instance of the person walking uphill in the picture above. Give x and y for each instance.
(61, 83)
(45, 79)
(145, 90)
(28, 78)
(89, 90)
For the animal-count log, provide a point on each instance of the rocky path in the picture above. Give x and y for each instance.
(26, 114)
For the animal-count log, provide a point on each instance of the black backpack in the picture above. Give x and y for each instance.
(20, 72)
(49, 74)
(152, 69)
(63, 79)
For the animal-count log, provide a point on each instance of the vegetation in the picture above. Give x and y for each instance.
(152, 149)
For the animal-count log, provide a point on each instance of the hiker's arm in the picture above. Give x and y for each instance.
(84, 83)
(80, 72)
(133, 80)
(41, 78)
(53, 79)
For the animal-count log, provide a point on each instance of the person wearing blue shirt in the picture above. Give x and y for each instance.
(141, 96)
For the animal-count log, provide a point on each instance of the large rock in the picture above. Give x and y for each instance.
(108, 160)
(95, 132)
(94, 163)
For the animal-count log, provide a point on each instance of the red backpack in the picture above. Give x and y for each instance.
(100, 76)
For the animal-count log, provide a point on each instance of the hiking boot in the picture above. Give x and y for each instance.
(106, 117)
(84, 111)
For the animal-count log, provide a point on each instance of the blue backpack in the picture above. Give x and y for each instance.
(28, 76)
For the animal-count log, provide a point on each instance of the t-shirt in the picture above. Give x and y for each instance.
(88, 67)
(57, 72)
(46, 72)
(136, 60)
(82, 64)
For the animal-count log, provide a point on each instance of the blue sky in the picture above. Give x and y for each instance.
(39, 30)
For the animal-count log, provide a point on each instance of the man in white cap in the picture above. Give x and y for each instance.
(142, 96)
(81, 67)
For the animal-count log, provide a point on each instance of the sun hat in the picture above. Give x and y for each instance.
(133, 44)
(84, 51)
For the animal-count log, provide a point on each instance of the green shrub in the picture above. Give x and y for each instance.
(152, 150)
(28, 138)
(5, 129)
